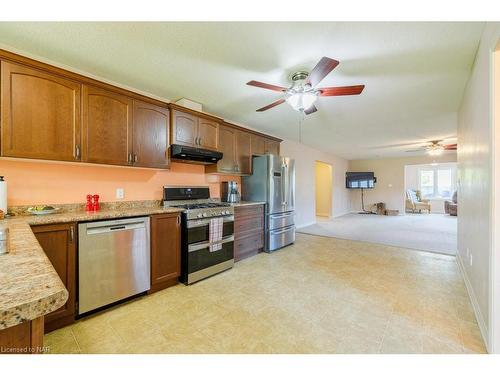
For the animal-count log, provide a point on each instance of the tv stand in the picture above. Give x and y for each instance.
(365, 212)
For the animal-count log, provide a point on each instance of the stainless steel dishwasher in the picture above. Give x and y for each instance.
(113, 261)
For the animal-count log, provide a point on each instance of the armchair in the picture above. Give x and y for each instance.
(450, 207)
(414, 202)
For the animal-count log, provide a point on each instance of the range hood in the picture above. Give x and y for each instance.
(194, 155)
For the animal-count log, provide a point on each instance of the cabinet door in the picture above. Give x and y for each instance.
(151, 130)
(243, 152)
(258, 145)
(272, 147)
(184, 129)
(227, 146)
(107, 127)
(58, 243)
(165, 250)
(40, 114)
(208, 134)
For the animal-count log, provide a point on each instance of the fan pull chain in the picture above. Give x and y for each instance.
(301, 119)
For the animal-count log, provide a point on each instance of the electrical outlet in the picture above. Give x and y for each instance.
(120, 193)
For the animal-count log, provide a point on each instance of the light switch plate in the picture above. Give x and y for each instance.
(120, 193)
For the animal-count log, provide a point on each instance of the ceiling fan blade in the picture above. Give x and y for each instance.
(321, 70)
(266, 86)
(310, 110)
(338, 91)
(450, 147)
(416, 150)
(273, 104)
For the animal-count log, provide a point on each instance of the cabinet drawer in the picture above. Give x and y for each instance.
(249, 211)
(255, 223)
(248, 246)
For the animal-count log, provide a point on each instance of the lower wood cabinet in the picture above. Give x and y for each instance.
(25, 338)
(58, 241)
(248, 231)
(165, 250)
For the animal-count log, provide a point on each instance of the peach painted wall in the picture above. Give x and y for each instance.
(44, 182)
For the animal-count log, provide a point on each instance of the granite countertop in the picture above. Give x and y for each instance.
(29, 285)
(247, 203)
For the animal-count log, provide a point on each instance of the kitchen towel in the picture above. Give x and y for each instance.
(215, 233)
(3, 195)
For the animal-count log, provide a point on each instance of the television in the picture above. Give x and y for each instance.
(360, 180)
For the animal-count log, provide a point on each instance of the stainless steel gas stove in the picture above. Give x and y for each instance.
(199, 260)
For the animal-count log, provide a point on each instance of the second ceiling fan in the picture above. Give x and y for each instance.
(303, 92)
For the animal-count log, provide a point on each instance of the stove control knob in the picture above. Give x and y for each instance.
(226, 212)
(199, 215)
(204, 214)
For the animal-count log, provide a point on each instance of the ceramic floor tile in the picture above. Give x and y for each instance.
(321, 295)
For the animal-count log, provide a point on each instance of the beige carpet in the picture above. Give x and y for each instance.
(429, 232)
(320, 295)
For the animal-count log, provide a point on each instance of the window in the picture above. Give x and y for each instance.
(437, 182)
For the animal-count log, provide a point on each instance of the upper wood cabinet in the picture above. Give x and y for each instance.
(235, 145)
(58, 243)
(165, 250)
(40, 114)
(272, 147)
(208, 134)
(243, 152)
(258, 145)
(184, 129)
(107, 127)
(228, 163)
(150, 135)
(195, 131)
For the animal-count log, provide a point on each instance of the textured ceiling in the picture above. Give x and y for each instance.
(414, 73)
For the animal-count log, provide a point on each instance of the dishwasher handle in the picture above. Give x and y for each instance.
(115, 228)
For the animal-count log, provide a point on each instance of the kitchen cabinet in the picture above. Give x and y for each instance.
(150, 135)
(40, 114)
(262, 145)
(243, 152)
(165, 250)
(107, 127)
(248, 231)
(272, 147)
(235, 145)
(258, 145)
(24, 338)
(190, 129)
(58, 243)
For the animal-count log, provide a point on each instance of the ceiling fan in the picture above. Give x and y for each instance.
(435, 147)
(303, 92)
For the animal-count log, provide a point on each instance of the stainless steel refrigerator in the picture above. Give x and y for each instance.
(273, 182)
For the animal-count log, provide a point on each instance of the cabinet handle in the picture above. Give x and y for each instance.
(199, 141)
(71, 234)
(130, 158)
(178, 220)
(77, 152)
(135, 158)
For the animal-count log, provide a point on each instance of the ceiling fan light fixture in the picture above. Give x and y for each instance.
(301, 101)
(436, 151)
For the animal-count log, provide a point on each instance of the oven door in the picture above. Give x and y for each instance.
(198, 230)
(203, 263)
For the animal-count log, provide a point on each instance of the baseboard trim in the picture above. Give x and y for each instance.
(305, 225)
(475, 304)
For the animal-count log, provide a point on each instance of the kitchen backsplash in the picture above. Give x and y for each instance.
(42, 182)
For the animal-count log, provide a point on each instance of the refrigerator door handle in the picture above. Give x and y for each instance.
(283, 184)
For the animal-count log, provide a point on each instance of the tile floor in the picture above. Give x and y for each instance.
(321, 295)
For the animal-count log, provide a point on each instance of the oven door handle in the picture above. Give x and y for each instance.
(203, 222)
(204, 245)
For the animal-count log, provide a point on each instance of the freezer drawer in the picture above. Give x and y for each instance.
(280, 220)
(113, 261)
(278, 238)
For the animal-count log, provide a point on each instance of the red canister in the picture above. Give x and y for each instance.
(96, 202)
